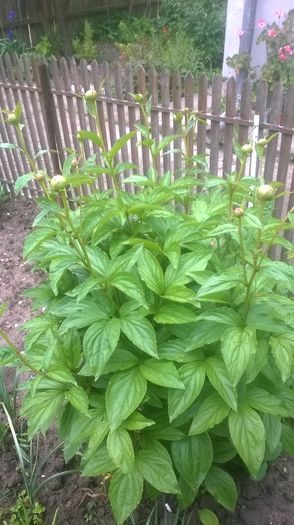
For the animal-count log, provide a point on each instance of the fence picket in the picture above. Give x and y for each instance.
(229, 128)
(118, 113)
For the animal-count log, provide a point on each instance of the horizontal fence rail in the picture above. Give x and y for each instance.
(54, 111)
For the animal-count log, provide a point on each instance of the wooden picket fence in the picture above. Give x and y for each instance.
(54, 111)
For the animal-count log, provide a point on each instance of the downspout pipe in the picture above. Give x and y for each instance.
(246, 42)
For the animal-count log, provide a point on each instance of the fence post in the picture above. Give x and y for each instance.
(49, 112)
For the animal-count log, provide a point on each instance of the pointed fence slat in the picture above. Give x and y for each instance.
(55, 110)
(215, 125)
(275, 115)
(202, 108)
(165, 115)
(229, 127)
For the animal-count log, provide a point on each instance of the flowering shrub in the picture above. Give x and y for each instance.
(164, 350)
(279, 40)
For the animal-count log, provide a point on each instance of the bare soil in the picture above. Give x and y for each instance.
(83, 500)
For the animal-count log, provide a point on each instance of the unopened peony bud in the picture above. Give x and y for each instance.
(90, 95)
(247, 149)
(238, 212)
(265, 192)
(58, 182)
(40, 175)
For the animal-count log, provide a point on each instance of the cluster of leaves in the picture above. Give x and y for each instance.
(279, 41)
(84, 47)
(165, 347)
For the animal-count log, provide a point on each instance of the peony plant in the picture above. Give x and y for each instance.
(162, 344)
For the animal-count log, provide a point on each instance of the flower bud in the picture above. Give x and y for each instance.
(58, 182)
(247, 149)
(12, 119)
(139, 97)
(40, 175)
(178, 117)
(75, 163)
(90, 95)
(265, 192)
(262, 142)
(79, 136)
(238, 212)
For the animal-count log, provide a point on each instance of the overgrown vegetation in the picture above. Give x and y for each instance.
(165, 350)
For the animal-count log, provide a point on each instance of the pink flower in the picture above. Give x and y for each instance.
(283, 57)
(239, 32)
(288, 49)
(279, 13)
(272, 33)
(261, 23)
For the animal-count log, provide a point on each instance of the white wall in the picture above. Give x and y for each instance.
(265, 9)
(234, 22)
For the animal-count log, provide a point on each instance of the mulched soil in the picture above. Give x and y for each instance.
(82, 500)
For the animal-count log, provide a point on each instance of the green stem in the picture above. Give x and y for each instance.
(242, 251)
(19, 354)
(25, 150)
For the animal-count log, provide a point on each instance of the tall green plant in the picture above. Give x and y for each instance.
(165, 349)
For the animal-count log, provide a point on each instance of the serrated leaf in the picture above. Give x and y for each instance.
(263, 401)
(192, 457)
(174, 314)
(140, 332)
(273, 430)
(92, 136)
(124, 393)
(23, 181)
(219, 378)
(99, 464)
(78, 399)
(125, 493)
(120, 449)
(212, 411)
(248, 435)
(151, 272)
(162, 373)
(222, 487)
(192, 376)
(238, 345)
(99, 343)
(120, 143)
(155, 466)
(136, 421)
(130, 285)
(282, 349)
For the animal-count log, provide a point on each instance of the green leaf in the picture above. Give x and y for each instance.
(248, 435)
(99, 343)
(179, 294)
(287, 438)
(222, 315)
(78, 399)
(165, 141)
(120, 143)
(35, 239)
(222, 487)
(120, 360)
(219, 283)
(99, 464)
(92, 136)
(7, 356)
(174, 314)
(125, 493)
(193, 458)
(130, 285)
(162, 373)
(219, 378)
(207, 517)
(192, 376)
(78, 315)
(136, 421)
(238, 345)
(7, 145)
(273, 430)
(140, 332)
(120, 449)
(151, 272)
(212, 411)
(138, 179)
(98, 434)
(124, 393)
(258, 361)
(156, 468)
(261, 400)
(23, 181)
(41, 409)
(282, 349)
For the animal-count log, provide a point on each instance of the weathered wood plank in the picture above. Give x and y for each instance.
(229, 128)
(215, 126)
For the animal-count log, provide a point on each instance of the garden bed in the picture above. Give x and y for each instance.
(82, 500)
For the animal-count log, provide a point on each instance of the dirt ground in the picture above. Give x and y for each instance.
(82, 500)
